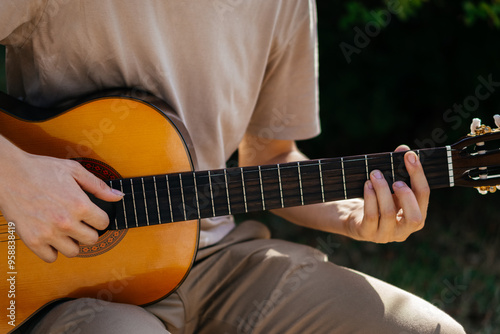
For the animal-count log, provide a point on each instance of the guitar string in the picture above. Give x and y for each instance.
(323, 162)
(148, 180)
(313, 163)
(330, 192)
(306, 163)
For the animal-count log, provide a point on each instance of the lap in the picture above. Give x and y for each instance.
(91, 316)
(270, 286)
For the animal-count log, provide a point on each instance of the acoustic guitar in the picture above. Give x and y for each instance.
(136, 143)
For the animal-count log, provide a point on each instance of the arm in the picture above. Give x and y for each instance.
(43, 196)
(380, 217)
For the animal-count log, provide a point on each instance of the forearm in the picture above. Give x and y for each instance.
(11, 157)
(329, 217)
(333, 217)
(8, 151)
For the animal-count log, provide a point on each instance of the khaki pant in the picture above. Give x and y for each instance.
(249, 283)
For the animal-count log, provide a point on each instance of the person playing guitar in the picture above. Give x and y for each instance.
(240, 75)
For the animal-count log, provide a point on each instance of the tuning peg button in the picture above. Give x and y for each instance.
(482, 190)
(485, 189)
(476, 124)
(497, 120)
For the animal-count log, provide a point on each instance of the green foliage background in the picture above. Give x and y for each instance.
(425, 57)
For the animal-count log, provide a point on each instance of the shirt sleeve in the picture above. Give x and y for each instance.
(18, 20)
(287, 107)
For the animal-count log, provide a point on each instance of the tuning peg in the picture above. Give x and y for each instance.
(482, 191)
(486, 189)
(476, 124)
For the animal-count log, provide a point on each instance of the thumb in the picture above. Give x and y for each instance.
(97, 187)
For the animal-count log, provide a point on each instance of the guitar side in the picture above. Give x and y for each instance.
(141, 265)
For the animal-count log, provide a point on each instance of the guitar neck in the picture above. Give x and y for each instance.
(202, 194)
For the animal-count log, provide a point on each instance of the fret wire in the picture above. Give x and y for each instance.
(367, 170)
(227, 192)
(262, 190)
(182, 196)
(156, 197)
(321, 181)
(123, 204)
(169, 200)
(300, 184)
(211, 193)
(196, 193)
(392, 168)
(303, 173)
(145, 204)
(264, 178)
(321, 163)
(133, 201)
(116, 219)
(359, 174)
(335, 160)
(281, 189)
(343, 178)
(244, 191)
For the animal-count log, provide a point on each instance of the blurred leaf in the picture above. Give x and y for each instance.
(404, 9)
(356, 13)
(484, 11)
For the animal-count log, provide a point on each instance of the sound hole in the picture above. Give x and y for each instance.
(107, 238)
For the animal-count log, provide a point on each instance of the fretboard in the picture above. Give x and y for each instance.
(170, 198)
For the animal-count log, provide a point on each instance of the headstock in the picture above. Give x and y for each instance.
(476, 158)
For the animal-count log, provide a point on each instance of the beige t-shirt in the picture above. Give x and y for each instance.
(226, 66)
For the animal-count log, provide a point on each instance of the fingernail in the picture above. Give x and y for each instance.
(399, 184)
(413, 158)
(377, 174)
(369, 185)
(117, 192)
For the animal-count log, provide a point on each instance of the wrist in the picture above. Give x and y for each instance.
(350, 213)
(10, 154)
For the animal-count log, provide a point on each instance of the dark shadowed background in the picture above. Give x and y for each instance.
(399, 71)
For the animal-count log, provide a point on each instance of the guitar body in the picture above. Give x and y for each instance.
(114, 136)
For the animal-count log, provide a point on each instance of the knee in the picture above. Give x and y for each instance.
(87, 315)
